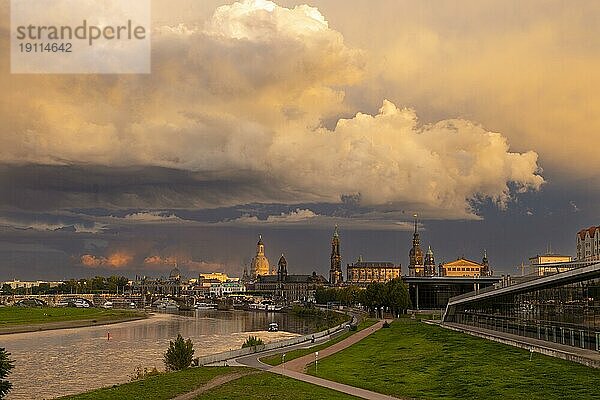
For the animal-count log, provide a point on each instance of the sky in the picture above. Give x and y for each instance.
(288, 118)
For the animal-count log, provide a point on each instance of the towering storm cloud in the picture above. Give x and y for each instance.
(257, 93)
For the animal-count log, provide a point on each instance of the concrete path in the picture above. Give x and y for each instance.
(340, 387)
(300, 364)
(295, 368)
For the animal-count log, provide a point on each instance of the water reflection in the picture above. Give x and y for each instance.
(56, 363)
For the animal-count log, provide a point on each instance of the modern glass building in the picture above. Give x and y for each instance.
(562, 308)
(433, 292)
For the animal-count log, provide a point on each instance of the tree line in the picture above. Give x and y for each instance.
(391, 296)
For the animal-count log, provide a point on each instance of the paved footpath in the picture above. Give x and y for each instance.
(295, 368)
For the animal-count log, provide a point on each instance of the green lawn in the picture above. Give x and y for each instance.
(276, 358)
(413, 359)
(162, 386)
(267, 386)
(11, 316)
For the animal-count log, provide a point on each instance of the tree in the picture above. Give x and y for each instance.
(6, 364)
(374, 295)
(396, 296)
(179, 354)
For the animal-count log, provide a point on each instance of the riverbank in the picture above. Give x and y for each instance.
(24, 319)
(416, 360)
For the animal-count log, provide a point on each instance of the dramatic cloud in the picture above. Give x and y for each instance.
(115, 260)
(245, 98)
(47, 222)
(152, 216)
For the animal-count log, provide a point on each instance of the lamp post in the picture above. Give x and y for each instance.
(283, 360)
(316, 361)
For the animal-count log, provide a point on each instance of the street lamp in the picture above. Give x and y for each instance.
(316, 361)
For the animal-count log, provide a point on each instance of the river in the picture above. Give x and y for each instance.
(67, 361)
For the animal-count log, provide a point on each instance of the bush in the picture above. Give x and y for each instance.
(6, 364)
(179, 355)
(142, 373)
(252, 341)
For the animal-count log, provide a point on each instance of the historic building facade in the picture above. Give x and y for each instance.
(465, 267)
(284, 287)
(365, 272)
(260, 263)
(336, 276)
(588, 244)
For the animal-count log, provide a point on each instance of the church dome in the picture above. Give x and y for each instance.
(175, 273)
(260, 263)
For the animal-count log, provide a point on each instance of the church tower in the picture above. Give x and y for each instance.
(485, 270)
(415, 256)
(336, 276)
(282, 269)
(429, 264)
(260, 263)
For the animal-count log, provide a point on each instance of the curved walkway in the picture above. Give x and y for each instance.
(295, 368)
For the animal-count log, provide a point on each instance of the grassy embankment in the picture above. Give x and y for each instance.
(162, 386)
(416, 360)
(259, 386)
(266, 385)
(275, 359)
(13, 318)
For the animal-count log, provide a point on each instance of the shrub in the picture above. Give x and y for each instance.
(139, 373)
(179, 355)
(6, 364)
(252, 341)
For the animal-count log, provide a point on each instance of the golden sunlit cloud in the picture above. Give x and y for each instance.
(114, 260)
(248, 94)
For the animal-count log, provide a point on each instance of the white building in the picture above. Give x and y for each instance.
(588, 244)
(223, 289)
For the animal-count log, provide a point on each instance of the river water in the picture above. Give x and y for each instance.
(60, 362)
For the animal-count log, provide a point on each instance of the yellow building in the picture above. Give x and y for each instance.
(463, 267)
(260, 263)
(550, 264)
(219, 276)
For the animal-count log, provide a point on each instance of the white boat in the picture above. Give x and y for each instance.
(205, 306)
(265, 306)
(166, 305)
(108, 304)
(273, 327)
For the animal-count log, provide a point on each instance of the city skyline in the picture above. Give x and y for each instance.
(482, 120)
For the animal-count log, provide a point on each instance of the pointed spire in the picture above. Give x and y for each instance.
(416, 220)
(335, 231)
